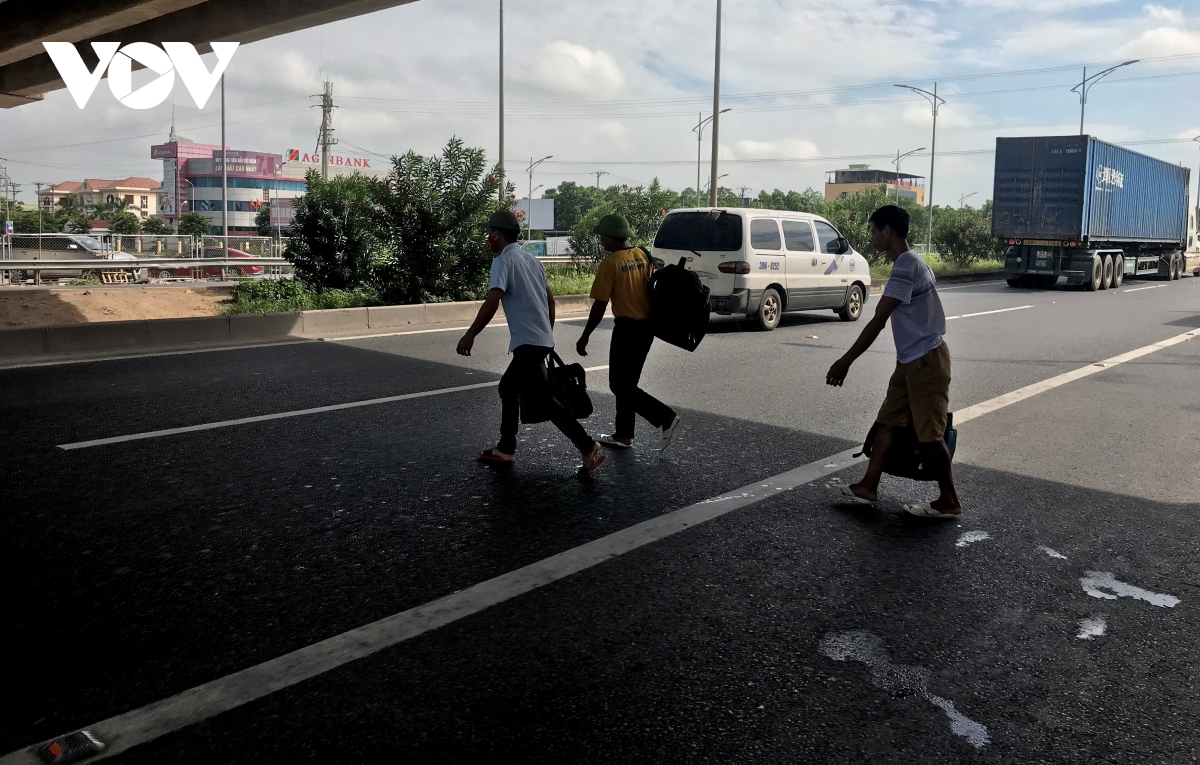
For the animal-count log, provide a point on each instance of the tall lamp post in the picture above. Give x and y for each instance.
(1197, 140)
(935, 101)
(716, 118)
(529, 199)
(1086, 84)
(965, 197)
(900, 158)
(699, 131)
(500, 193)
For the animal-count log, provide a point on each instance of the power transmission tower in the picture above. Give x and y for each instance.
(742, 195)
(325, 137)
(599, 173)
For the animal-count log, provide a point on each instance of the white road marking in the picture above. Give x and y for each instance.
(156, 354)
(971, 537)
(139, 726)
(965, 286)
(1092, 627)
(1008, 399)
(868, 649)
(1053, 553)
(985, 313)
(284, 415)
(1151, 287)
(150, 722)
(557, 320)
(1103, 585)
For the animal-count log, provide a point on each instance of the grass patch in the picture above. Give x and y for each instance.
(570, 279)
(883, 268)
(288, 295)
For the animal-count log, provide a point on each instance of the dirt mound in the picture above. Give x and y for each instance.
(30, 307)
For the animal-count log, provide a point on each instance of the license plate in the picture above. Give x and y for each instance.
(1041, 263)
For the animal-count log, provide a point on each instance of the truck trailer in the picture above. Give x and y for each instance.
(1080, 208)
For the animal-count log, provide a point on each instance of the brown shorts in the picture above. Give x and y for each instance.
(918, 394)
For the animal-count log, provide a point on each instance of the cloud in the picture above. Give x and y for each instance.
(564, 67)
(782, 148)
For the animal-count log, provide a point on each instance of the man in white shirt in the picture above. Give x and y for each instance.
(918, 394)
(519, 281)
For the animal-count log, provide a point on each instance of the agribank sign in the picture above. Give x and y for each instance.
(172, 57)
(295, 155)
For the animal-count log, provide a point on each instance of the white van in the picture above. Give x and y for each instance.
(763, 262)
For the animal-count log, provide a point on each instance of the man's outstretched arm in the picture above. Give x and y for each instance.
(487, 312)
(837, 373)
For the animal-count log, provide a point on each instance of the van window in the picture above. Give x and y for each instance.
(764, 234)
(700, 231)
(798, 236)
(828, 237)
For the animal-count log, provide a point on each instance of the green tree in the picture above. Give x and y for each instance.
(75, 214)
(262, 221)
(430, 211)
(335, 232)
(964, 236)
(157, 226)
(194, 224)
(124, 223)
(571, 202)
(644, 208)
(808, 201)
(28, 220)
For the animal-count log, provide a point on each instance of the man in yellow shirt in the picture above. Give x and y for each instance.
(622, 279)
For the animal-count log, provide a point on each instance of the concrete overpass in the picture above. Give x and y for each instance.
(26, 72)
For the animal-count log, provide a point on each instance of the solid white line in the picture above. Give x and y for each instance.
(283, 415)
(142, 725)
(150, 722)
(156, 354)
(557, 320)
(985, 313)
(1008, 399)
(1151, 287)
(964, 286)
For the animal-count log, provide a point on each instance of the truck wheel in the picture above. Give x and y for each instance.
(1177, 271)
(1118, 277)
(1047, 281)
(770, 311)
(1097, 280)
(1106, 281)
(854, 304)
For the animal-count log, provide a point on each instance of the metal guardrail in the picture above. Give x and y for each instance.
(107, 264)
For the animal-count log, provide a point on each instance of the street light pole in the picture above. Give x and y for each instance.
(899, 158)
(965, 197)
(699, 131)
(935, 101)
(500, 193)
(529, 199)
(1087, 82)
(716, 123)
(224, 171)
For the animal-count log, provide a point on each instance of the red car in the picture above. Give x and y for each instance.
(211, 272)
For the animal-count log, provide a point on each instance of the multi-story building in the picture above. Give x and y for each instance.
(142, 196)
(855, 179)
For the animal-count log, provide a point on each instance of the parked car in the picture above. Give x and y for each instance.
(52, 247)
(762, 263)
(212, 272)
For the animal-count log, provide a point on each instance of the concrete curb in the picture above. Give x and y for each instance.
(877, 285)
(64, 342)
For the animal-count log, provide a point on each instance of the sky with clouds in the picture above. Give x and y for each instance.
(616, 87)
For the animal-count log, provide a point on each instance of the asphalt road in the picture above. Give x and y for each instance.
(787, 629)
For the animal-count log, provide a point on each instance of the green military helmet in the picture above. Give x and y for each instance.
(613, 225)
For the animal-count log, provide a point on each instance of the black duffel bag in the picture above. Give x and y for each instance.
(904, 458)
(679, 306)
(566, 384)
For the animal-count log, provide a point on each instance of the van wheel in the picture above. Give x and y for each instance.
(1118, 277)
(770, 311)
(854, 304)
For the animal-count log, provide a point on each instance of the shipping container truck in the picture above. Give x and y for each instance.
(1080, 208)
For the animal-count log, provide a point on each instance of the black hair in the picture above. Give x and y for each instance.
(891, 216)
(511, 235)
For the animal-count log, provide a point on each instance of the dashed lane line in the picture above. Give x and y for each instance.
(283, 415)
(986, 313)
(1151, 287)
(139, 726)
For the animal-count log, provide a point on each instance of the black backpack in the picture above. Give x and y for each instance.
(904, 459)
(679, 306)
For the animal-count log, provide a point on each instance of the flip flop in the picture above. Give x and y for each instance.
(497, 458)
(597, 460)
(612, 442)
(925, 510)
(846, 495)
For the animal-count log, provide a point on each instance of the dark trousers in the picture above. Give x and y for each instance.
(631, 341)
(526, 377)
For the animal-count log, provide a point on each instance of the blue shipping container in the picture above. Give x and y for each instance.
(1079, 187)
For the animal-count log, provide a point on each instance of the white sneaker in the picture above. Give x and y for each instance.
(668, 433)
(612, 441)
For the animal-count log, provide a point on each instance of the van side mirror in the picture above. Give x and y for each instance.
(843, 246)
